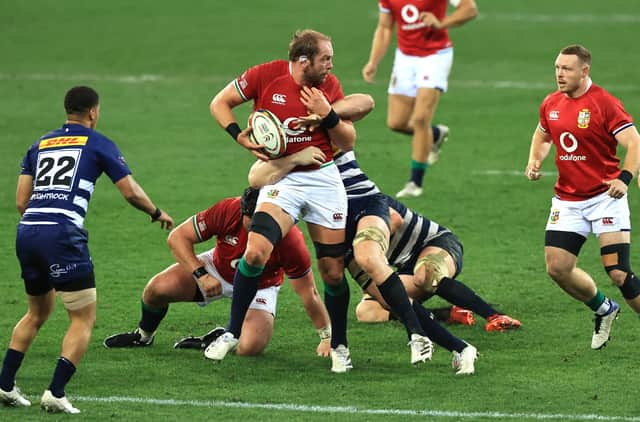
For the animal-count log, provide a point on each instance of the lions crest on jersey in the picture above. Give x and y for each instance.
(583, 118)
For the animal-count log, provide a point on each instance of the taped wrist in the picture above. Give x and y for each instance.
(331, 120)
(234, 130)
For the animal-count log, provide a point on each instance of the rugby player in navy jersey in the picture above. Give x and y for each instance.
(58, 176)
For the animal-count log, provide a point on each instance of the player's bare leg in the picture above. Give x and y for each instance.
(39, 310)
(561, 266)
(256, 332)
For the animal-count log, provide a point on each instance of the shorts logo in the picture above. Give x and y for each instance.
(231, 240)
(554, 115)
(554, 217)
(62, 141)
(261, 300)
(607, 221)
(273, 193)
(338, 216)
(55, 270)
(583, 118)
(279, 99)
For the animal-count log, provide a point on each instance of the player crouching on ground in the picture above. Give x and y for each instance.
(208, 277)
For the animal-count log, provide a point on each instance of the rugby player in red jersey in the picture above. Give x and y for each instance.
(292, 89)
(208, 277)
(586, 124)
(420, 73)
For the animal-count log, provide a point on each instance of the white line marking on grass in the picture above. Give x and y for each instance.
(519, 173)
(353, 410)
(570, 18)
(221, 79)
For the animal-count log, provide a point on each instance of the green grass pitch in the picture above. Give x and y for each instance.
(157, 64)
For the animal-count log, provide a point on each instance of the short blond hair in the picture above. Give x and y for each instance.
(305, 43)
(577, 50)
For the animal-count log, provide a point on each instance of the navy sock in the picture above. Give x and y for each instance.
(151, 317)
(436, 133)
(336, 299)
(417, 172)
(245, 287)
(459, 294)
(436, 332)
(10, 366)
(393, 292)
(61, 376)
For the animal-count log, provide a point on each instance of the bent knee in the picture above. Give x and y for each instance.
(250, 348)
(617, 277)
(256, 257)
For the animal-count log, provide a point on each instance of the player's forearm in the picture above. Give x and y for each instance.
(264, 173)
(182, 250)
(135, 195)
(313, 305)
(354, 107)
(343, 135)
(540, 146)
(630, 139)
(467, 11)
(23, 192)
(380, 44)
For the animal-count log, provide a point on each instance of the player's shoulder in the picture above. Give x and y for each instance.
(227, 205)
(272, 68)
(552, 97)
(599, 92)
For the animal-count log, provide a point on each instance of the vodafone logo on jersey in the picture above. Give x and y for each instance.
(280, 99)
(411, 17)
(569, 143)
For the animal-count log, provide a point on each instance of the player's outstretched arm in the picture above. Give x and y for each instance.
(136, 196)
(23, 192)
(379, 45)
(630, 140)
(305, 288)
(264, 173)
(540, 147)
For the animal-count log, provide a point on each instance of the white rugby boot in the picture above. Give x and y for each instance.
(53, 404)
(221, 346)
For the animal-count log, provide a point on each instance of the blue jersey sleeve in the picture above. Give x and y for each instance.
(26, 167)
(114, 164)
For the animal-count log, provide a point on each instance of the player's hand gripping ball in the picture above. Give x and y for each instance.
(267, 132)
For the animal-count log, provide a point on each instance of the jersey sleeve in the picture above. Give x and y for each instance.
(294, 254)
(542, 123)
(334, 90)
(113, 162)
(384, 6)
(25, 166)
(617, 117)
(214, 220)
(249, 84)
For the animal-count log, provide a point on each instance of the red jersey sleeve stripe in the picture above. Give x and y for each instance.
(195, 228)
(621, 128)
(235, 83)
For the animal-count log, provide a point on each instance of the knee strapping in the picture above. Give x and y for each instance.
(373, 234)
(78, 299)
(631, 287)
(264, 224)
(435, 270)
(616, 257)
(358, 274)
(334, 250)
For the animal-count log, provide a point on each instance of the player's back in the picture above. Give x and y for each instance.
(65, 165)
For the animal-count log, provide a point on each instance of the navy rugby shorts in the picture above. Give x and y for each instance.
(54, 256)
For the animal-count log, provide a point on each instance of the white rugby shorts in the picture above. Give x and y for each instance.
(317, 195)
(265, 300)
(412, 72)
(600, 214)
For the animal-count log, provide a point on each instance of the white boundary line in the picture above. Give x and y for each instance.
(519, 173)
(221, 79)
(354, 410)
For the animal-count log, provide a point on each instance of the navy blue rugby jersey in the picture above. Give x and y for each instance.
(413, 235)
(355, 182)
(65, 165)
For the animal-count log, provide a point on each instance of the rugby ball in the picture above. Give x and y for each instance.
(267, 132)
